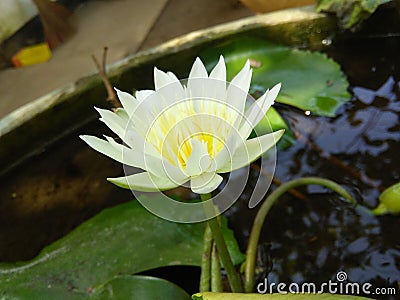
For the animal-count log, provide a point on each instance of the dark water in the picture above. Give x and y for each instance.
(52, 193)
(312, 240)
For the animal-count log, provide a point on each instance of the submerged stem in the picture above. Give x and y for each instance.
(216, 278)
(251, 252)
(224, 255)
(205, 275)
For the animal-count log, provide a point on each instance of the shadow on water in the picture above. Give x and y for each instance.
(54, 192)
(303, 240)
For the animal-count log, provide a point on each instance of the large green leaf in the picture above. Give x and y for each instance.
(120, 287)
(226, 296)
(351, 13)
(122, 240)
(140, 287)
(310, 80)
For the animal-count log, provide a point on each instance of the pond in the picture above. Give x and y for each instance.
(308, 237)
(311, 237)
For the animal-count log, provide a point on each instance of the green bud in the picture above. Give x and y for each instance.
(389, 201)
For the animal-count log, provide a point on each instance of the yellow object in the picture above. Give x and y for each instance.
(32, 55)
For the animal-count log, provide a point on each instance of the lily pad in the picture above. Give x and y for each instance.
(310, 80)
(120, 287)
(140, 287)
(122, 240)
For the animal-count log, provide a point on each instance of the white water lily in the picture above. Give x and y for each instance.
(179, 133)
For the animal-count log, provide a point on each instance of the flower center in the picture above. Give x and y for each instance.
(214, 145)
(209, 122)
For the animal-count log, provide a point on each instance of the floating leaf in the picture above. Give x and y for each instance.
(237, 296)
(140, 287)
(120, 287)
(310, 80)
(122, 240)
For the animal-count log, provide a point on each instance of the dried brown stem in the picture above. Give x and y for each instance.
(111, 96)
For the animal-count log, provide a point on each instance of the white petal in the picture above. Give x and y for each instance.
(216, 84)
(243, 78)
(236, 94)
(137, 142)
(173, 77)
(102, 146)
(258, 110)
(226, 153)
(122, 113)
(128, 101)
(145, 111)
(168, 86)
(199, 161)
(161, 79)
(152, 159)
(198, 70)
(143, 94)
(197, 81)
(219, 71)
(251, 150)
(114, 150)
(113, 121)
(164, 169)
(128, 156)
(144, 182)
(205, 183)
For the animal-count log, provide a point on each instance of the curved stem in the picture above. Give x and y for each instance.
(205, 261)
(224, 255)
(251, 252)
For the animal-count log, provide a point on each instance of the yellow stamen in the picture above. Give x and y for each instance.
(172, 131)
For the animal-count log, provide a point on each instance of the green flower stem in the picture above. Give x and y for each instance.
(251, 252)
(205, 261)
(216, 279)
(224, 255)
